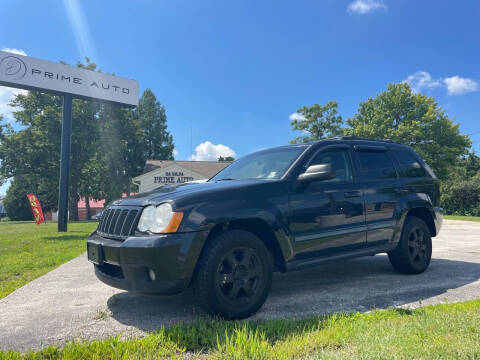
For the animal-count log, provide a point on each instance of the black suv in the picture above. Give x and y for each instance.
(279, 209)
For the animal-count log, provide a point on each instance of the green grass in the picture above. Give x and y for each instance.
(465, 218)
(449, 331)
(28, 251)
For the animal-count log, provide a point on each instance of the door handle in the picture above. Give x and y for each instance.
(352, 193)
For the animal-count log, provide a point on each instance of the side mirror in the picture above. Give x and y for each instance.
(316, 173)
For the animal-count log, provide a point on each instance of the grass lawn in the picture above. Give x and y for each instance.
(465, 218)
(28, 251)
(449, 331)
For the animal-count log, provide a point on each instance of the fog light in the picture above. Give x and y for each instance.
(151, 274)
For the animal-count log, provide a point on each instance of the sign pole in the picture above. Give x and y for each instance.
(64, 163)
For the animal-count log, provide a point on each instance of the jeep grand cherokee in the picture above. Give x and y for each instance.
(278, 209)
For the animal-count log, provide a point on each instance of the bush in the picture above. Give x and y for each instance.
(462, 197)
(16, 202)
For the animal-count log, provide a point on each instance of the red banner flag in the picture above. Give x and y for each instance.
(36, 208)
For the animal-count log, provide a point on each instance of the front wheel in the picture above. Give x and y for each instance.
(414, 251)
(234, 275)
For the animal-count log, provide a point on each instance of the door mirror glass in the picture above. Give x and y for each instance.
(317, 172)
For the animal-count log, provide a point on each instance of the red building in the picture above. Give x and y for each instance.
(95, 208)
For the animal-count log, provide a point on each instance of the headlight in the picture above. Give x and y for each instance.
(159, 219)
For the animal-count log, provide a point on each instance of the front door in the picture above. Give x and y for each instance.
(327, 216)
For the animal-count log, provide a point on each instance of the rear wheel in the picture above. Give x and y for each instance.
(234, 275)
(414, 251)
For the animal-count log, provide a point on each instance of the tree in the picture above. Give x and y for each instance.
(226, 158)
(153, 120)
(31, 155)
(318, 121)
(412, 119)
(16, 203)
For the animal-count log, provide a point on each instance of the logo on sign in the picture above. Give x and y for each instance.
(13, 67)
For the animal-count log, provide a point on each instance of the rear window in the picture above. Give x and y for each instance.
(376, 165)
(409, 167)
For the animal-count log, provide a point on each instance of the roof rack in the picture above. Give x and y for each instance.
(341, 137)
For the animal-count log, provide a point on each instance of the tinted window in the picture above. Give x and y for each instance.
(376, 165)
(409, 166)
(267, 164)
(339, 160)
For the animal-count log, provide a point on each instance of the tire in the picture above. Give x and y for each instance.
(233, 275)
(414, 250)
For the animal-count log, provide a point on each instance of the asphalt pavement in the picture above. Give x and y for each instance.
(69, 303)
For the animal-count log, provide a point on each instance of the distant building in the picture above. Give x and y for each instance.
(95, 207)
(158, 173)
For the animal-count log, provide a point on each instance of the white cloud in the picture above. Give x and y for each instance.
(15, 51)
(458, 86)
(365, 6)
(7, 94)
(422, 80)
(207, 151)
(175, 152)
(296, 116)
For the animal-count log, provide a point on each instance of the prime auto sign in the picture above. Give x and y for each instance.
(34, 74)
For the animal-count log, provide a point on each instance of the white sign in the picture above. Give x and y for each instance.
(34, 74)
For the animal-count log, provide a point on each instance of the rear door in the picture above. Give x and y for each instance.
(328, 215)
(378, 178)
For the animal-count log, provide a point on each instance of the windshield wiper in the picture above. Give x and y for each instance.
(226, 179)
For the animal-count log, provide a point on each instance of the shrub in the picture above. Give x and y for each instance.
(462, 197)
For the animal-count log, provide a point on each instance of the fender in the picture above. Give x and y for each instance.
(407, 203)
(207, 215)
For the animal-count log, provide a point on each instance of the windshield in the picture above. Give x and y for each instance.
(270, 164)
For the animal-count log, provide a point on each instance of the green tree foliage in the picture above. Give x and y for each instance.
(461, 190)
(412, 119)
(153, 120)
(31, 155)
(226, 158)
(462, 197)
(317, 122)
(16, 203)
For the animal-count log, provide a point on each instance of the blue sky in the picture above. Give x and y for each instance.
(233, 72)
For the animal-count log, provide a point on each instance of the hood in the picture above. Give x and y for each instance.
(181, 191)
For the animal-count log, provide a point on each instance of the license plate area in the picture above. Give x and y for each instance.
(95, 253)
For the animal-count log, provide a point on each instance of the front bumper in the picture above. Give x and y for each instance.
(126, 264)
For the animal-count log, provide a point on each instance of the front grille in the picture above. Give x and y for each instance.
(110, 270)
(118, 222)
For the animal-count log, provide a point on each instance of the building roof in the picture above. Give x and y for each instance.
(205, 168)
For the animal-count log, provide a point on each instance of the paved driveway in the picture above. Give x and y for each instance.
(70, 303)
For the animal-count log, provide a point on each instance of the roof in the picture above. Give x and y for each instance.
(205, 168)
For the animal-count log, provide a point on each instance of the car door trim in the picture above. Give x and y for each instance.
(324, 234)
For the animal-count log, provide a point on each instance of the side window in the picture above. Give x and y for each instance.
(409, 166)
(339, 160)
(376, 165)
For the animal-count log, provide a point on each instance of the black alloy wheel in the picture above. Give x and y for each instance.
(417, 245)
(233, 275)
(414, 250)
(239, 274)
